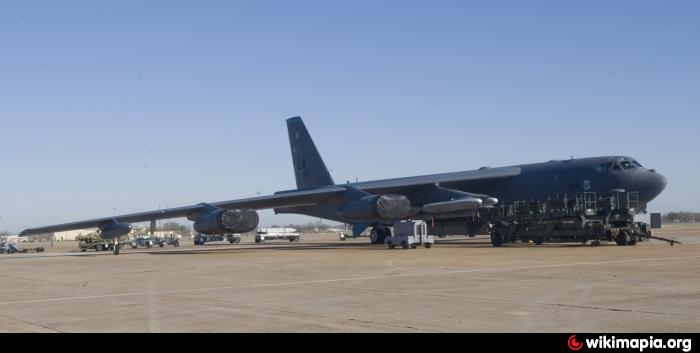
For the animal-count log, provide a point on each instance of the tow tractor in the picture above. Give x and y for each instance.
(409, 234)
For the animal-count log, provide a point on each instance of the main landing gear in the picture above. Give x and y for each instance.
(378, 235)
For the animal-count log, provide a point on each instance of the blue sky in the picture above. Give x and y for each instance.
(115, 107)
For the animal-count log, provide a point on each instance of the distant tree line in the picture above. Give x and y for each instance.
(680, 217)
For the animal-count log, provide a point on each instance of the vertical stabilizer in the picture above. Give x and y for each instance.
(309, 169)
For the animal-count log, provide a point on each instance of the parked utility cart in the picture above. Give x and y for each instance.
(169, 240)
(410, 234)
(141, 242)
(10, 248)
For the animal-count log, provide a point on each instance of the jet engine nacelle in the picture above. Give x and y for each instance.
(387, 207)
(114, 229)
(220, 221)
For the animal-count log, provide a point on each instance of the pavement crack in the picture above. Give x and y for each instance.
(31, 323)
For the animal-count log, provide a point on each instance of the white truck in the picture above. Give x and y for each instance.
(276, 233)
(409, 234)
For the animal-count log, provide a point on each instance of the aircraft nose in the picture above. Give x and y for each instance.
(656, 183)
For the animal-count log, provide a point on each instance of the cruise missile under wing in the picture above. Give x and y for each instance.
(284, 199)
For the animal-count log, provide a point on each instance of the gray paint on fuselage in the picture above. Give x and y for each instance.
(539, 181)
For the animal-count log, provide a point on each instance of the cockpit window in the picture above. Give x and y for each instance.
(624, 163)
(627, 164)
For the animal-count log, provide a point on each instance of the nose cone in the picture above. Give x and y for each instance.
(654, 184)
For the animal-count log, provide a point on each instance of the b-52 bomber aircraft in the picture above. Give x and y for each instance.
(569, 200)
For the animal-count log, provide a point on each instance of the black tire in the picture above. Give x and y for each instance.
(386, 233)
(161, 245)
(414, 246)
(428, 245)
(404, 244)
(134, 246)
(390, 245)
(375, 236)
(98, 247)
(116, 250)
(539, 241)
(83, 250)
(623, 238)
(496, 238)
(633, 240)
(149, 246)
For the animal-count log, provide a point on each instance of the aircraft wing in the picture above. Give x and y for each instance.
(284, 199)
(468, 180)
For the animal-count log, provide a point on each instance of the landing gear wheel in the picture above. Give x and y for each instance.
(496, 238)
(390, 245)
(376, 236)
(428, 245)
(386, 232)
(404, 244)
(623, 238)
(414, 246)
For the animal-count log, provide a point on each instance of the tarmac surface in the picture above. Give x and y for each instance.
(322, 284)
